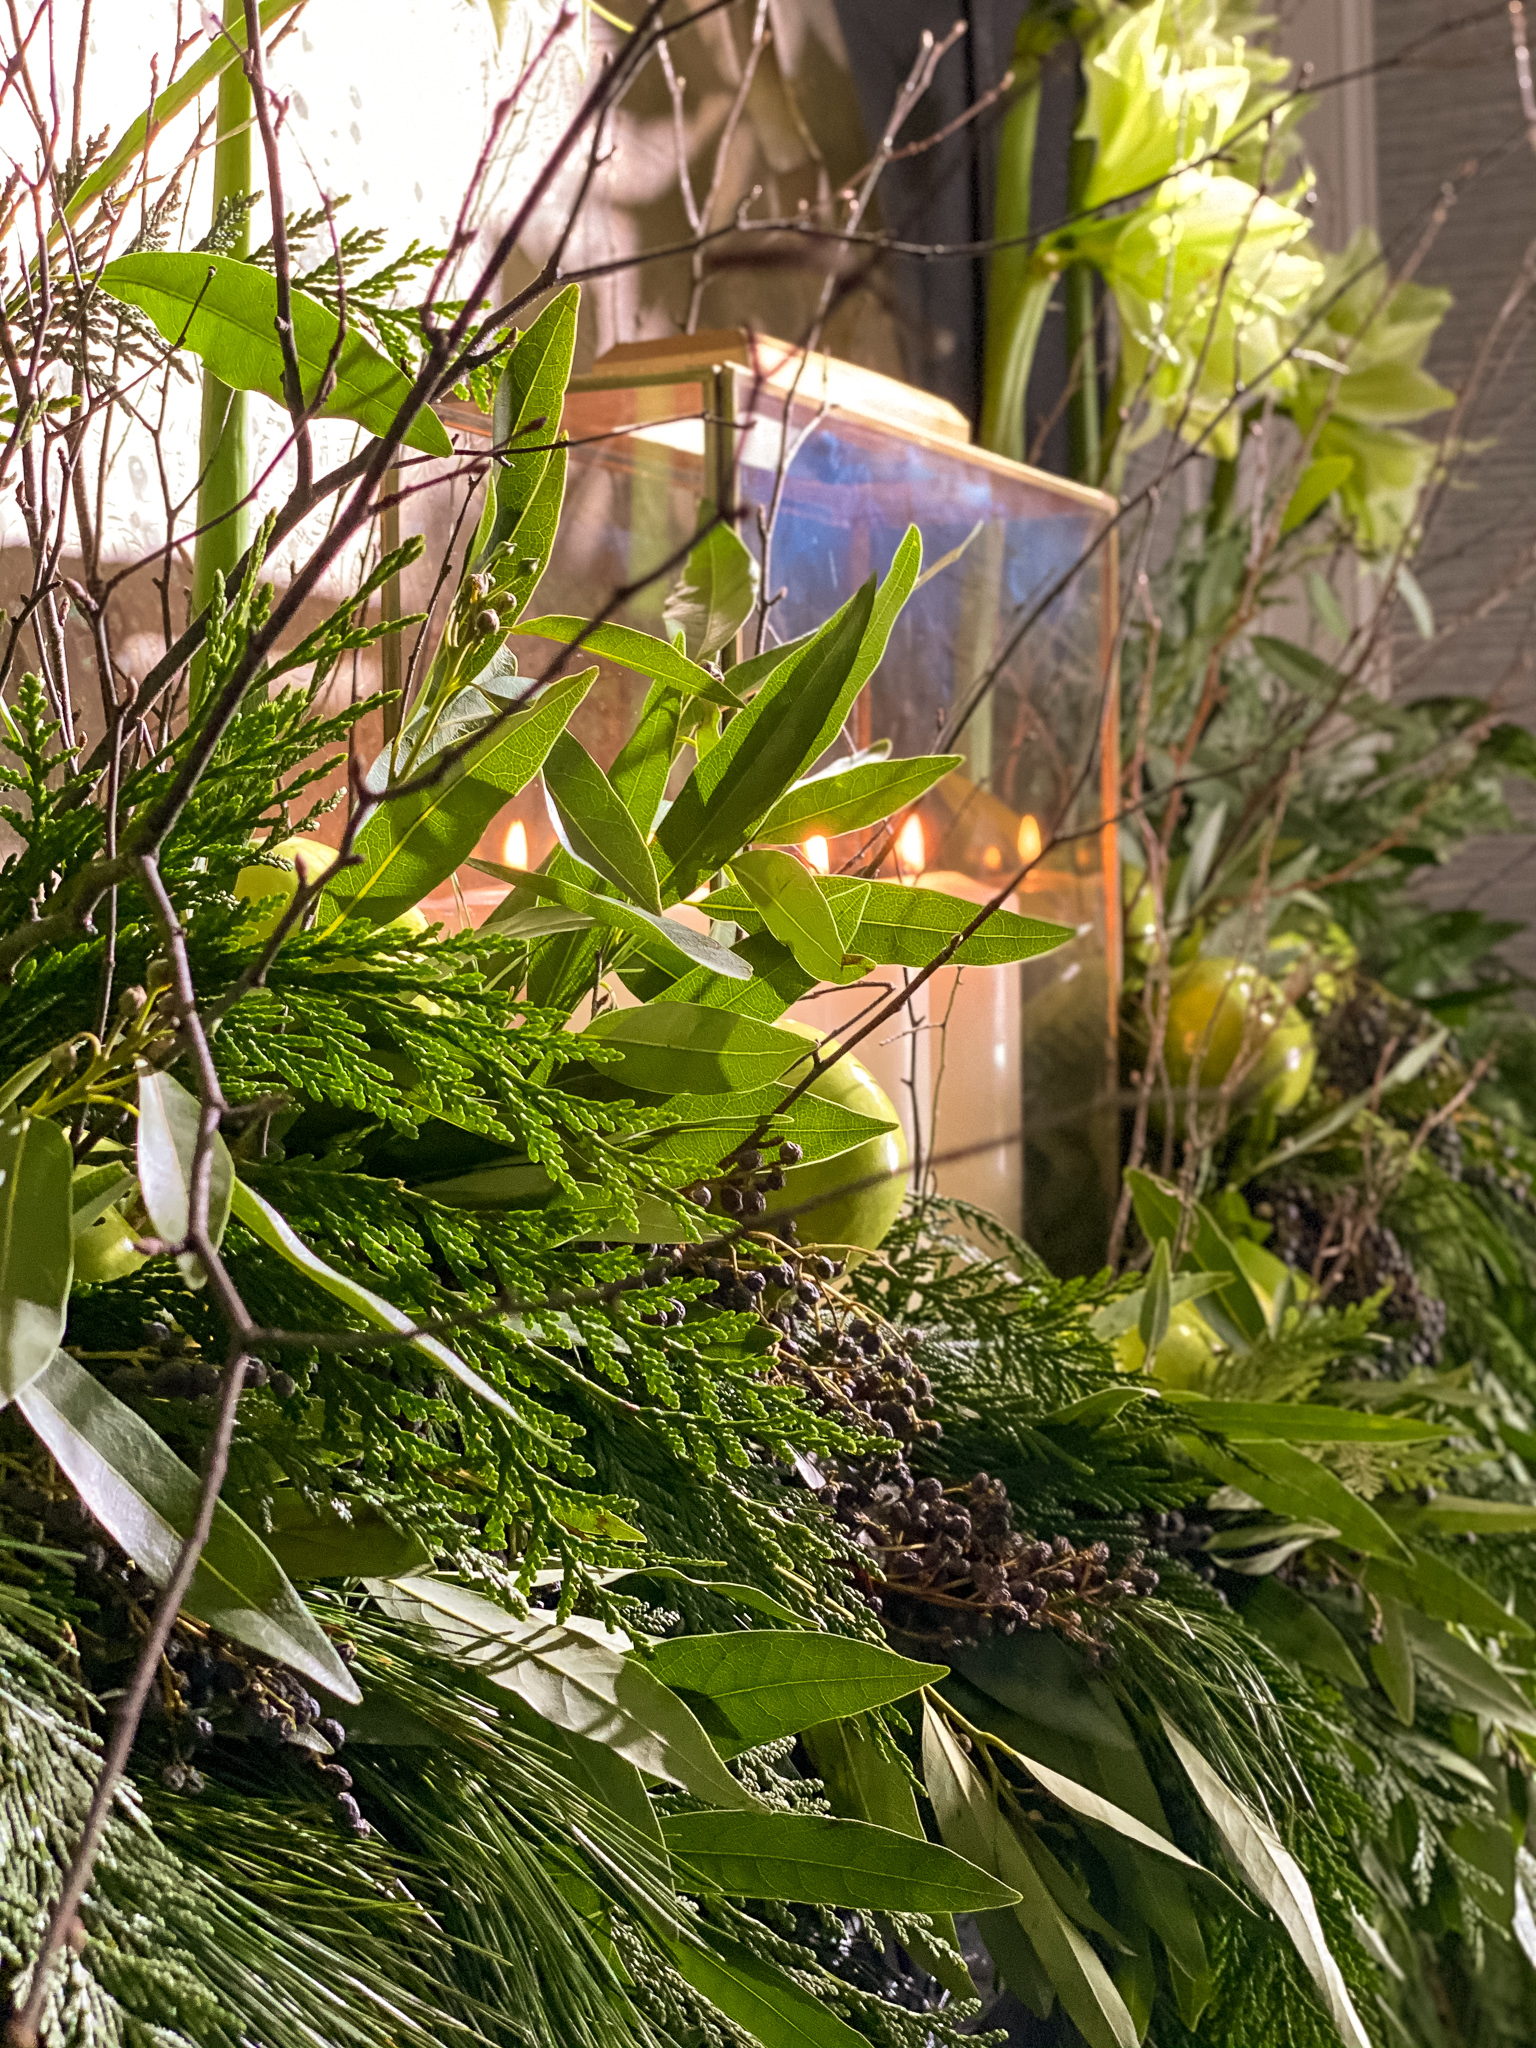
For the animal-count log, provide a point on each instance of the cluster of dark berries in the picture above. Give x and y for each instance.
(214, 1687)
(1177, 1537)
(1495, 1164)
(169, 1366)
(1445, 1147)
(1358, 1039)
(946, 1566)
(849, 1364)
(208, 1685)
(750, 1177)
(35, 1516)
(1416, 1318)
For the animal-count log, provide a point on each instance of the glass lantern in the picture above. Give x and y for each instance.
(1005, 1079)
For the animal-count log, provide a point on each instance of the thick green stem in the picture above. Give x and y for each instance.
(1084, 426)
(1223, 486)
(223, 456)
(1018, 289)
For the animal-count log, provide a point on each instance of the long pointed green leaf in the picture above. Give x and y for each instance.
(707, 1128)
(1090, 1805)
(1441, 1591)
(1298, 1628)
(1408, 1068)
(692, 948)
(1237, 1312)
(860, 796)
(1392, 1660)
(37, 1250)
(764, 1683)
(1286, 1480)
(866, 1782)
(684, 1048)
(1298, 1422)
(762, 750)
(796, 912)
(264, 1222)
(147, 1500)
(525, 423)
(225, 312)
(344, 1539)
(594, 825)
(1459, 1514)
(1475, 1682)
(642, 765)
(632, 649)
(901, 927)
(1157, 1302)
(1277, 1878)
(1068, 1893)
(713, 598)
(412, 843)
(576, 1676)
(817, 1861)
(970, 1822)
(862, 1781)
(895, 587)
(169, 1121)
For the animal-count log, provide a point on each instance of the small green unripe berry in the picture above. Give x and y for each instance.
(131, 1001)
(487, 622)
(62, 1061)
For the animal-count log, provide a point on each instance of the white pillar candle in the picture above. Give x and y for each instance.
(976, 1092)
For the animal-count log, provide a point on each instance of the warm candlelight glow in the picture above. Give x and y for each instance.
(1029, 838)
(992, 859)
(911, 850)
(514, 848)
(818, 855)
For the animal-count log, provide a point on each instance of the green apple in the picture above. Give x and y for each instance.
(1216, 1006)
(851, 1214)
(302, 859)
(1185, 1357)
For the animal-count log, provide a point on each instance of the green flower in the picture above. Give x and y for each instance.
(1206, 271)
(1362, 376)
(1208, 281)
(1147, 111)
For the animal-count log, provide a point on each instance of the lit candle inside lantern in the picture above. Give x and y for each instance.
(976, 1054)
(818, 855)
(911, 849)
(1029, 838)
(514, 848)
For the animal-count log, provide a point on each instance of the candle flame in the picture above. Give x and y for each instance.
(818, 855)
(992, 859)
(911, 848)
(1029, 838)
(514, 848)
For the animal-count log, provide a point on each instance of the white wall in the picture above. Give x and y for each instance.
(388, 101)
(1337, 38)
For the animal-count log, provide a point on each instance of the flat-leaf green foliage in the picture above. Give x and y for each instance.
(225, 312)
